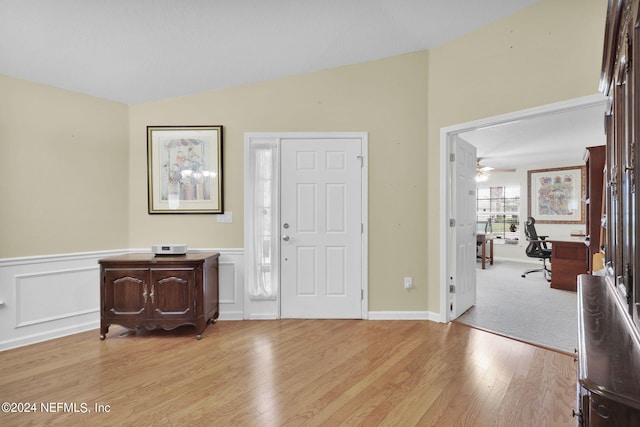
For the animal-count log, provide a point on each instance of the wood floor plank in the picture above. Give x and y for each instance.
(291, 373)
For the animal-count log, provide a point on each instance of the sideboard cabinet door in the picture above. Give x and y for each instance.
(173, 293)
(125, 293)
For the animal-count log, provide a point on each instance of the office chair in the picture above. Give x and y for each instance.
(537, 248)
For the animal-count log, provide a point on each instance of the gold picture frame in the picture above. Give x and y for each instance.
(184, 165)
(556, 195)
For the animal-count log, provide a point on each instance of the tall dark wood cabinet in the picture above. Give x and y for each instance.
(162, 291)
(609, 322)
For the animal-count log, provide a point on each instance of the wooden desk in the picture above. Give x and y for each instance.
(568, 260)
(482, 240)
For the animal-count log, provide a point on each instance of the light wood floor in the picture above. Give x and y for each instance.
(292, 373)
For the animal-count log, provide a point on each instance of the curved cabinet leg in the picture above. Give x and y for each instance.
(104, 329)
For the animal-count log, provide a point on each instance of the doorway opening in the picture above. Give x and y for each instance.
(448, 135)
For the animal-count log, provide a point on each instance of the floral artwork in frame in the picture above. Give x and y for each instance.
(184, 165)
(556, 196)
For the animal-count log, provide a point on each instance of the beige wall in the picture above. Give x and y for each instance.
(385, 98)
(547, 53)
(64, 177)
(63, 171)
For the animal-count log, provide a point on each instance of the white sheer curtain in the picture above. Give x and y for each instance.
(264, 240)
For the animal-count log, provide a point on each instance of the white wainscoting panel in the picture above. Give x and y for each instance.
(51, 296)
(231, 284)
(37, 295)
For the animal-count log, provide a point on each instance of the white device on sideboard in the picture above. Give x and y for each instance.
(172, 249)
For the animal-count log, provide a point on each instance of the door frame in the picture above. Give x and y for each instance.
(447, 184)
(267, 309)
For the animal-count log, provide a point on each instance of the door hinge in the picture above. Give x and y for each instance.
(361, 228)
(452, 157)
(361, 158)
(452, 289)
(452, 222)
(361, 294)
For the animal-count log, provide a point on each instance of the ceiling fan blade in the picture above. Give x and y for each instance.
(482, 169)
(503, 170)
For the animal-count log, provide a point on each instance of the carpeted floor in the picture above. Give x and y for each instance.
(526, 309)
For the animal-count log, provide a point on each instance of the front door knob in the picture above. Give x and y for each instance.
(285, 238)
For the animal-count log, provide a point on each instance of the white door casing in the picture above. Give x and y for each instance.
(463, 255)
(321, 228)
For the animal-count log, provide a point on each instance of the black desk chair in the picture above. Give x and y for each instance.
(537, 248)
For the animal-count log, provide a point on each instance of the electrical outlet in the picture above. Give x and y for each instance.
(408, 282)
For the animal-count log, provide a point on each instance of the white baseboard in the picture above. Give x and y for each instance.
(404, 315)
(231, 315)
(266, 316)
(49, 335)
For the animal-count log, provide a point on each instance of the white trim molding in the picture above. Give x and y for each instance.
(404, 315)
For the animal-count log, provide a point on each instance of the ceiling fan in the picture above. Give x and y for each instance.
(483, 172)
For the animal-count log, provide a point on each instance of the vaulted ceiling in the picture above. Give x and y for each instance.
(135, 51)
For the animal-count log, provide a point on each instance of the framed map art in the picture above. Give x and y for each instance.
(556, 196)
(184, 169)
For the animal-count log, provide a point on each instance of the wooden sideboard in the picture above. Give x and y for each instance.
(161, 291)
(568, 260)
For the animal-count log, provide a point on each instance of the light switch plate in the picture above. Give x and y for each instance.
(226, 217)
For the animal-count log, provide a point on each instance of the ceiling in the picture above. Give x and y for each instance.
(554, 137)
(143, 50)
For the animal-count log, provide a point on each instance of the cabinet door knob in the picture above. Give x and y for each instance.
(577, 414)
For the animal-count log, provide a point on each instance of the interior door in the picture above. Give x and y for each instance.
(321, 228)
(462, 289)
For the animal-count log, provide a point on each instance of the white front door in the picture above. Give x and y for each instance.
(321, 228)
(463, 258)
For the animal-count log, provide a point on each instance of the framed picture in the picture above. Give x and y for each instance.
(184, 166)
(556, 196)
